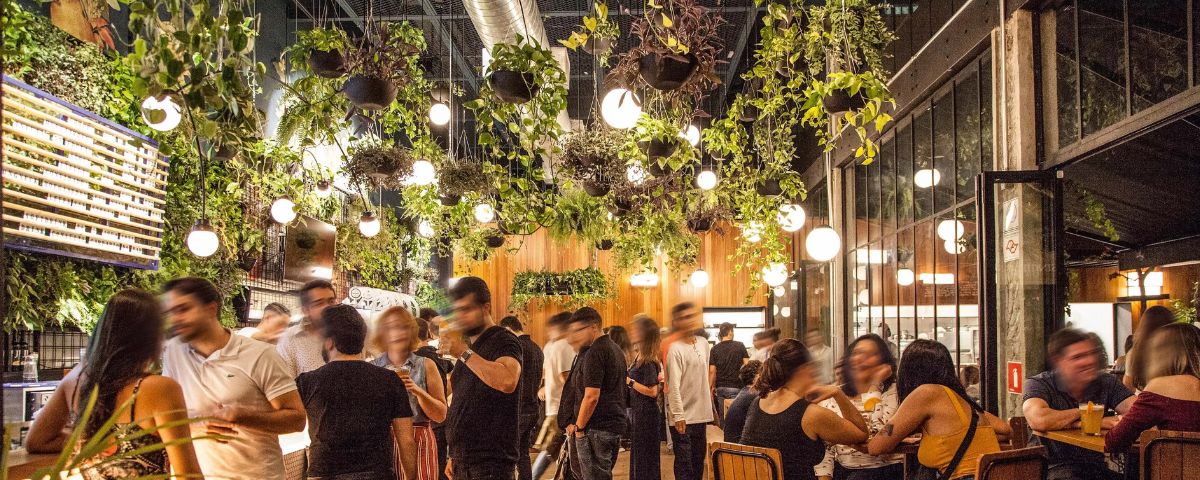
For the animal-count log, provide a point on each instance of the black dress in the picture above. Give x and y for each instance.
(646, 424)
(783, 431)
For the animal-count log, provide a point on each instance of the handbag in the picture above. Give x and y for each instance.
(928, 473)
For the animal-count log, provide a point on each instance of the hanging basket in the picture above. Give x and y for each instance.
(495, 241)
(700, 225)
(667, 72)
(605, 244)
(656, 149)
(595, 189)
(331, 64)
(512, 86)
(620, 206)
(450, 200)
(369, 93)
(593, 45)
(840, 101)
(769, 188)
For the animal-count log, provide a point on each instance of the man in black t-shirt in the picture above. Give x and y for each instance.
(355, 410)
(481, 428)
(724, 362)
(531, 381)
(598, 401)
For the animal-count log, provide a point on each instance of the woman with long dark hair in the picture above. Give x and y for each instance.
(123, 348)
(1136, 358)
(620, 336)
(785, 419)
(870, 372)
(933, 401)
(645, 421)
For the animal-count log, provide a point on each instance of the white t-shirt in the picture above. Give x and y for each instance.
(246, 373)
(301, 350)
(247, 332)
(689, 397)
(557, 357)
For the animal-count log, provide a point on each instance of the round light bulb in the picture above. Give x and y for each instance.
(161, 114)
(635, 174)
(691, 134)
(785, 312)
(950, 230)
(927, 177)
(791, 217)
(620, 108)
(823, 243)
(779, 292)
(423, 173)
(368, 225)
(706, 180)
(775, 274)
(283, 210)
(905, 277)
(752, 232)
(324, 189)
(484, 213)
(424, 229)
(954, 247)
(439, 114)
(864, 297)
(202, 241)
(699, 278)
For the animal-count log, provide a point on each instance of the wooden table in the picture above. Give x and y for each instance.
(1077, 438)
(22, 464)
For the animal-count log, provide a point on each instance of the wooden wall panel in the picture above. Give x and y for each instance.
(539, 252)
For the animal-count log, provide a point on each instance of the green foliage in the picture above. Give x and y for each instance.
(430, 296)
(653, 129)
(683, 30)
(570, 289)
(462, 177)
(387, 260)
(656, 231)
(1096, 214)
(375, 164)
(597, 29)
(593, 154)
(1185, 310)
(873, 90)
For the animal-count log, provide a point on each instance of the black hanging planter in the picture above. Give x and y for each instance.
(594, 188)
(225, 153)
(450, 200)
(749, 114)
(593, 45)
(329, 64)
(656, 149)
(667, 72)
(656, 169)
(495, 241)
(840, 101)
(605, 244)
(769, 188)
(247, 260)
(700, 225)
(620, 206)
(369, 93)
(512, 86)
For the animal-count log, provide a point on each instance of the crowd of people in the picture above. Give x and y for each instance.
(404, 398)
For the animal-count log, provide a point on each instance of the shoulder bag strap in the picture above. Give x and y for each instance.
(962, 448)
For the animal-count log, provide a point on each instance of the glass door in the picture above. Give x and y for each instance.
(1023, 277)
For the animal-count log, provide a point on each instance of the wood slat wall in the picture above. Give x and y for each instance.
(540, 252)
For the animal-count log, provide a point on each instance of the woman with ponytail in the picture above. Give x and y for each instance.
(787, 417)
(124, 347)
(934, 402)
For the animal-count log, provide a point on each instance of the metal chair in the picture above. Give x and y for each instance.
(1169, 455)
(732, 461)
(1023, 463)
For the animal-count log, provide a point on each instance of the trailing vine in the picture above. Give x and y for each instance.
(570, 289)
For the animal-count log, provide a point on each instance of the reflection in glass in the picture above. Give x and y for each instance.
(904, 176)
(1068, 109)
(966, 137)
(943, 150)
(1157, 50)
(1101, 58)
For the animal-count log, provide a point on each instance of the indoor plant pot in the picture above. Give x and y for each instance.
(768, 188)
(656, 169)
(331, 64)
(450, 200)
(667, 72)
(512, 86)
(595, 188)
(369, 93)
(700, 225)
(593, 45)
(839, 101)
(495, 241)
(605, 244)
(620, 206)
(656, 148)
(749, 113)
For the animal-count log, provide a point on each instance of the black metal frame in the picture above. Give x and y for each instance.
(776, 472)
(986, 230)
(1144, 466)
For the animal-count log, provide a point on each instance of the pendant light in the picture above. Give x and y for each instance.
(161, 113)
(424, 229)
(791, 217)
(202, 241)
(423, 173)
(324, 189)
(699, 278)
(620, 108)
(283, 210)
(775, 274)
(706, 180)
(368, 224)
(484, 213)
(823, 243)
(691, 134)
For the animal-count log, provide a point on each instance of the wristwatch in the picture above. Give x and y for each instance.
(466, 356)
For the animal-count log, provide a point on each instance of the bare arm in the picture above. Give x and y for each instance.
(712, 377)
(1123, 407)
(1002, 428)
(49, 431)
(1043, 418)
(647, 390)
(165, 399)
(587, 406)
(822, 423)
(431, 399)
(503, 374)
(285, 416)
(908, 418)
(402, 432)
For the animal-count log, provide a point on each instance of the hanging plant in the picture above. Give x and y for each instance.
(459, 178)
(660, 144)
(379, 165)
(381, 62)
(591, 158)
(322, 50)
(570, 289)
(677, 53)
(596, 35)
(518, 71)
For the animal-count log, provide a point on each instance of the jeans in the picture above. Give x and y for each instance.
(593, 454)
(357, 476)
(527, 426)
(722, 394)
(691, 449)
(483, 470)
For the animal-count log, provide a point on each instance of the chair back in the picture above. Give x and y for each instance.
(1023, 463)
(1169, 455)
(732, 461)
(1020, 432)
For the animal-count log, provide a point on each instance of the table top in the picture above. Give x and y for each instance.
(1076, 437)
(22, 464)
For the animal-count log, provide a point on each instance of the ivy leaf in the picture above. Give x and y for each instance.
(589, 23)
(666, 21)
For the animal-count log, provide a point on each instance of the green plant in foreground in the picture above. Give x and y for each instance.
(598, 30)
(570, 289)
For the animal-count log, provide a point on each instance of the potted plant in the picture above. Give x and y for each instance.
(517, 69)
(605, 244)
(322, 50)
(382, 62)
(596, 35)
(494, 239)
(768, 187)
(660, 142)
(379, 165)
(461, 177)
(677, 53)
(592, 158)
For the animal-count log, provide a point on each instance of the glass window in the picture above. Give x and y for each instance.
(887, 185)
(1101, 58)
(948, 233)
(967, 281)
(985, 112)
(873, 209)
(943, 151)
(1158, 50)
(886, 281)
(926, 251)
(906, 280)
(848, 207)
(1068, 109)
(860, 203)
(924, 175)
(904, 176)
(967, 148)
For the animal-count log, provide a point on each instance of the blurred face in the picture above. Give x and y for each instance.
(470, 315)
(635, 333)
(580, 334)
(1164, 357)
(316, 301)
(1079, 363)
(803, 379)
(865, 357)
(688, 319)
(814, 339)
(396, 336)
(273, 322)
(188, 316)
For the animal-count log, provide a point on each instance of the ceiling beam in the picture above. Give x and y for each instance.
(456, 55)
(738, 48)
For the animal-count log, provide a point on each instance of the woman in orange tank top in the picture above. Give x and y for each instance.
(934, 402)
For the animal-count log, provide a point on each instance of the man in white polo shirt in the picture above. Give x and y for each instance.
(241, 383)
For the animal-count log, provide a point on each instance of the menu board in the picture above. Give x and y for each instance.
(77, 184)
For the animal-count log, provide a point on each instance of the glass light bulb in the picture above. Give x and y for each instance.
(775, 274)
(823, 243)
(635, 174)
(424, 229)
(324, 189)
(791, 217)
(439, 114)
(161, 114)
(954, 247)
(423, 173)
(369, 225)
(202, 241)
(706, 180)
(927, 177)
(283, 210)
(950, 230)
(699, 278)
(620, 108)
(691, 134)
(752, 231)
(484, 213)
(905, 277)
